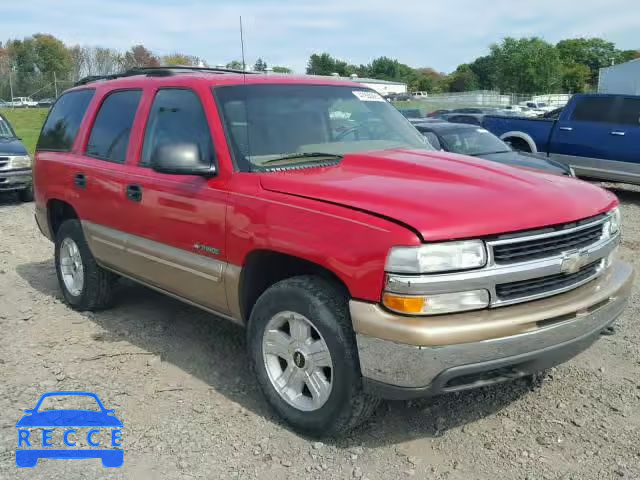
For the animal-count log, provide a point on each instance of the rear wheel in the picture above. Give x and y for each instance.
(84, 284)
(519, 144)
(302, 349)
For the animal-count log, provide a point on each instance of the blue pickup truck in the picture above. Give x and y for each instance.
(597, 135)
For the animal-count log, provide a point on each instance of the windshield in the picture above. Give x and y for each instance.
(473, 141)
(5, 129)
(282, 125)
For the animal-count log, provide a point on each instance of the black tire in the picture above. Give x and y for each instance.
(26, 195)
(96, 293)
(326, 306)
(519, 144)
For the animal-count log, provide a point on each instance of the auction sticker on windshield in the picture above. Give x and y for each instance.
(368, 96)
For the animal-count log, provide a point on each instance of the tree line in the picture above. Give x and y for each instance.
(514, 65)
(518, 65)
(40, 63)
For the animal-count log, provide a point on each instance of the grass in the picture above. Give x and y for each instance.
(27, 123)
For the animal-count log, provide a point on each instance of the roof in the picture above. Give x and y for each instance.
(184, 76)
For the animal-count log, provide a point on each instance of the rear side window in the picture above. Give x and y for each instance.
(63, 122)
(594, 109)
(110, 133)
(177, 117)
(628, 112)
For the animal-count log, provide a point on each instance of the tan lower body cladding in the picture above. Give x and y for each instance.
(203, 281)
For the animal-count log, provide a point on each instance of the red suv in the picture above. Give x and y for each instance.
(363, 263)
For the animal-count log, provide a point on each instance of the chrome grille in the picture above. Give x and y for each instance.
(4, 161)
(546, 245)
(550, 283)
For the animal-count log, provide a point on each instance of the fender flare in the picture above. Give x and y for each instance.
(522, 136)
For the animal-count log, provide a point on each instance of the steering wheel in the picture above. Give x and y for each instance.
(353, 129)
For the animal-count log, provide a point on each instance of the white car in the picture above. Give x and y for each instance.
(420, 95)
(22, 102)
(537, 106)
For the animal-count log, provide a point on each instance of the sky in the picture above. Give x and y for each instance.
(422, 33)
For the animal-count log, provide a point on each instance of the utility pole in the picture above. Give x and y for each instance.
(11, 83)
(55, 83)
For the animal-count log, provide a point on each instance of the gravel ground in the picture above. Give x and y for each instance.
(177, 378)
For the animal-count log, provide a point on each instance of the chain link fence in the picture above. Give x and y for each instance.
(34, 86)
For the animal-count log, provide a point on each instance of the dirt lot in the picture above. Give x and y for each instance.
(177, 378)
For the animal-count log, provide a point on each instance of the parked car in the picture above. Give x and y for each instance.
(597, 135)
(468, 118)
(4, 104)
(540, 107)
(15, 163)
(23, 102)
(363, 263)
(478, 142)
(411, 112)
(439, 112)
(420, 95)
(398, 97)
(46, 102)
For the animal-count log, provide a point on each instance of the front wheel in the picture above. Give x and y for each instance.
(302, 349)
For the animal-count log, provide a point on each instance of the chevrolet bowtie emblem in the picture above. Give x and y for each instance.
(572, 262)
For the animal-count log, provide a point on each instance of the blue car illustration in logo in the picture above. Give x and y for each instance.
(69, 418)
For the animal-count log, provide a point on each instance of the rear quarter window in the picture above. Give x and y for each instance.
(64, 120)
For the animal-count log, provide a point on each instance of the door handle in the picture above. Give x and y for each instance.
(619, 133)
(566, 129)
(134, 193)
(80, 180)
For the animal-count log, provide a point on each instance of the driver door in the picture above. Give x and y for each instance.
(178, 221)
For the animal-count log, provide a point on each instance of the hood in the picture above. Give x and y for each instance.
(445, 196)
(528, 160)
(11, 146)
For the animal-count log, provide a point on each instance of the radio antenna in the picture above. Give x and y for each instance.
(244, 65)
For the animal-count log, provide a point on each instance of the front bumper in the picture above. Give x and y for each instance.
(408, 357)
(15, 180)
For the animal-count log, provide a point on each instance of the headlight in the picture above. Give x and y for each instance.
(613, 224)
(436, 304)
(23, 161)
(437, 257)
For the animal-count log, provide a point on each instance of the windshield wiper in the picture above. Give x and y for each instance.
(488, 153)
(302, 156)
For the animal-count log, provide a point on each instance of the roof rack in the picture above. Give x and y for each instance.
(163, 71)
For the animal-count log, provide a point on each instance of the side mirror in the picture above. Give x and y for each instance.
(181, 159)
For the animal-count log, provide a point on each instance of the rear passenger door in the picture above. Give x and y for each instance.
(101, 178)
(625, 135)
(178, 221)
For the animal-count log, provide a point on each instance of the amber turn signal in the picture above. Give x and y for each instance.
(404, 304)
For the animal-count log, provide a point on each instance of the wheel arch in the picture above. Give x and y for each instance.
(57, 212)
(521, 136)
(264, 268)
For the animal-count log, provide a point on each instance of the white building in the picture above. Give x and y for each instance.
(383, 87)
(623, 78)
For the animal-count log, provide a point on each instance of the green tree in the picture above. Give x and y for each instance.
(278, 69)
(576, 77)
(51, 56)
(234, 65)
(526, 65)
(484, 69)
(463, 79)
(325, 64)
(260, 66)
(595, 53)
